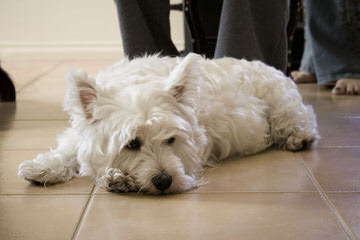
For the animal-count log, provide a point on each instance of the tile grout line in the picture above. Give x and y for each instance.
(347, 230)
(36, 78)
(25, 149)
(188, 193)
(42, 194)
(36, 120)
(83, 213)
(339, 147)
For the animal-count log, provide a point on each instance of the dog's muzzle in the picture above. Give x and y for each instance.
(162, 181)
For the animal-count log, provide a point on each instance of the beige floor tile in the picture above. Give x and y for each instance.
(324, 101)
(92, 66)
(314, 94)
(42, 100)
(321, 95)
(210, 216)
(331, 106)
(29, 135)
(271, 171)
(338, 116)
(311, 91)
(51, 87)
(32, 110)
(339, 131)
(10, 183)
(348, 205)
(40, 217)
(335, 169)
(24, 72)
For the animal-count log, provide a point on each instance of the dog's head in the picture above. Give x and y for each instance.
(146, 128)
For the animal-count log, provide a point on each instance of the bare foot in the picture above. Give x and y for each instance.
(347, 86)
(303, 77)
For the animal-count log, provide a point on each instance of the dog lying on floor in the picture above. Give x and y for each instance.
(152, 124)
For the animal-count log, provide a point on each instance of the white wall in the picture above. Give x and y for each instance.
(65, 29)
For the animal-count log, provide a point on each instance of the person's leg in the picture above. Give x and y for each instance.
(145, 27)
(306, 73)
(335, 43)
(157, 13)
(350, 83)
(254, 29)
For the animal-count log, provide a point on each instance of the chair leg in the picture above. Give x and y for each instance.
(295, 16)
(199, 43)
(7, 88)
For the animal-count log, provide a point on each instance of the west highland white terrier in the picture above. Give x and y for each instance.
(153, 123)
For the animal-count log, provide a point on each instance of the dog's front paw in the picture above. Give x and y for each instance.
(31, 172)
(46, 169)
(116, 181)
(37, 173)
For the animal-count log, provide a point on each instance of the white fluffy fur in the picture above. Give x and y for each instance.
(213, 109)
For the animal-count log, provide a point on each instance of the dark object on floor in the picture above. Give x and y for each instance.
(7, 89)
(203, 18)
(295, 31)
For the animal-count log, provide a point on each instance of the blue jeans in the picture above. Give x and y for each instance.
(332, 40)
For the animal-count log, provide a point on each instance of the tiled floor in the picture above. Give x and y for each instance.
(272, 195)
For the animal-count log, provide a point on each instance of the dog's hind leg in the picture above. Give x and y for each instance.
(293, 124)
(55, 166)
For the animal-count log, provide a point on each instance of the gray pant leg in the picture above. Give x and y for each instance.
(157, 13)
(254, 29)
(145, 27)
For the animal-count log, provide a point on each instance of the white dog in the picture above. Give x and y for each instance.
(152, 124)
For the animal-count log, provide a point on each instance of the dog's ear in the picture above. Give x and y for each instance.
(180, 78)
(81, 93)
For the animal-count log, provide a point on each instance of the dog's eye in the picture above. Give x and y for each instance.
(134, 145)
(170, 140)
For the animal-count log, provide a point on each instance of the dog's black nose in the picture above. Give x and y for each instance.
(162, 181)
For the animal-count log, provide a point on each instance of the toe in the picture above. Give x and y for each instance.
(340, 88)
(352, 88)
(337, 90)
(349, 90)
(347, 86)
(294, 74)
(357, 89)
(303, 77)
